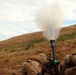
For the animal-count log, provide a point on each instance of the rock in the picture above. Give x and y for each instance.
(34, 65)
(71, 71)
(68, 67)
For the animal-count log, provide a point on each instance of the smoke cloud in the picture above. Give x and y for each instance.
(50, 19)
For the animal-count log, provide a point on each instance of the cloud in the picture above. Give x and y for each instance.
(69, 7)
(12, 30)
(19, 16)
(13, 12)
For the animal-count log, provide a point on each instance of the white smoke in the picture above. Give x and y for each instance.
(50, 19)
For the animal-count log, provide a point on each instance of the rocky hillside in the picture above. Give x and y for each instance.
(17, 49)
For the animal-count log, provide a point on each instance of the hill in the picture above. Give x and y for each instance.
(15, 50)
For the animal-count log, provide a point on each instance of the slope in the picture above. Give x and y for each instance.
(15, 50)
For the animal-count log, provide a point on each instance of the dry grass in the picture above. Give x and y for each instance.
(15, 50)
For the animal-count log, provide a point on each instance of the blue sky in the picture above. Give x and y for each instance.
(69, 22)
(18, 17)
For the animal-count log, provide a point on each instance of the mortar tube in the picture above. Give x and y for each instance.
(54, 57)
(53, 49)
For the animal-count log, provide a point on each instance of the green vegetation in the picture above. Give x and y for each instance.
(31, 43)
(9, 48)
(23, 46)
(68, 36)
